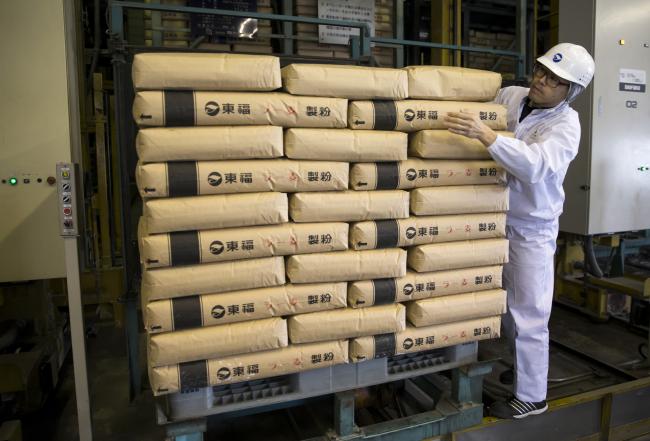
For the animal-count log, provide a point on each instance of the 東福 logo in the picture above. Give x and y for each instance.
(212, 108)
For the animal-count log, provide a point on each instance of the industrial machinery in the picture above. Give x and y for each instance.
(40, 126)
(607, 184)
(185, 415)
(34, 333)
(603, 259)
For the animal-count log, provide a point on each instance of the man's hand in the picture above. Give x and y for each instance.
(469, 125)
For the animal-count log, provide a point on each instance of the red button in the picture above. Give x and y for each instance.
(67, 211)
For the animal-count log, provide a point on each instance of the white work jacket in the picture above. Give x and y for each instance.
(537, 158)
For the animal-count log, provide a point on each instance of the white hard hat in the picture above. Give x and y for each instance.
(571, 62)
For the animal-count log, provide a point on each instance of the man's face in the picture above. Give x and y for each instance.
(547, 89)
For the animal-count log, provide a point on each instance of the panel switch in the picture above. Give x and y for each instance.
(66, 178)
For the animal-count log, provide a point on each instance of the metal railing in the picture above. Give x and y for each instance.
(359, 46)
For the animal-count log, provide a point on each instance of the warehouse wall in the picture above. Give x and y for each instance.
(383, 28)
(486, 61)
(177, 32)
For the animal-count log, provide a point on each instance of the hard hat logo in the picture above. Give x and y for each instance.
(571, 62)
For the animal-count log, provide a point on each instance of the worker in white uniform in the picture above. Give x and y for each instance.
(547, 135)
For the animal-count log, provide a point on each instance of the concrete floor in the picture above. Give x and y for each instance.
(609, 342)
(115, 418)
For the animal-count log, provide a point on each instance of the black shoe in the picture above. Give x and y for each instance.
(507, 377)
(516, 409)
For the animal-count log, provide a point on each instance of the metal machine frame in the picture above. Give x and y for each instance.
(126, 130)
(467, 379)
(609, 406)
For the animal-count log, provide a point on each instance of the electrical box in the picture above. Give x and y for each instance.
(608, 185)
(34, 136)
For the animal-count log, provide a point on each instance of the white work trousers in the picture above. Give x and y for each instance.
(529, 277)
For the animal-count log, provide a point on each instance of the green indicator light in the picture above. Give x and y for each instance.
(13, 181)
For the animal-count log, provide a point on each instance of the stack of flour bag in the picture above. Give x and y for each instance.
(313, 215)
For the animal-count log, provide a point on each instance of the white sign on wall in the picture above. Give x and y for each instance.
(631, 80)
(351, 10)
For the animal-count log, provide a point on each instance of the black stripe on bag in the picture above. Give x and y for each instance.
(193, 375)
(385, 291)
(387, 233)
(182, 179)
(385, 115)
(387, 175)
(179, 108)
(186, 312)
(384, 345)
(184, 248)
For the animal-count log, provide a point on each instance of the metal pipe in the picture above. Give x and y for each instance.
(259, 15)
(535, 19)
(287, 28)
(96, 46)
(522, 6)
(398, 31)
(117, 27)
(591, 266)
(378, 41)
(458, 29)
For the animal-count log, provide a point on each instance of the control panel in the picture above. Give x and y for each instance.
(67, 198)
(35, 134)
(18, 179)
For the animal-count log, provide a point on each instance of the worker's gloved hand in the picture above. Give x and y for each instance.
(470, 125)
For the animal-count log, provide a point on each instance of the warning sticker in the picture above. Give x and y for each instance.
(631, 80)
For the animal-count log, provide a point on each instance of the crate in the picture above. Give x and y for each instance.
(283, 389)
